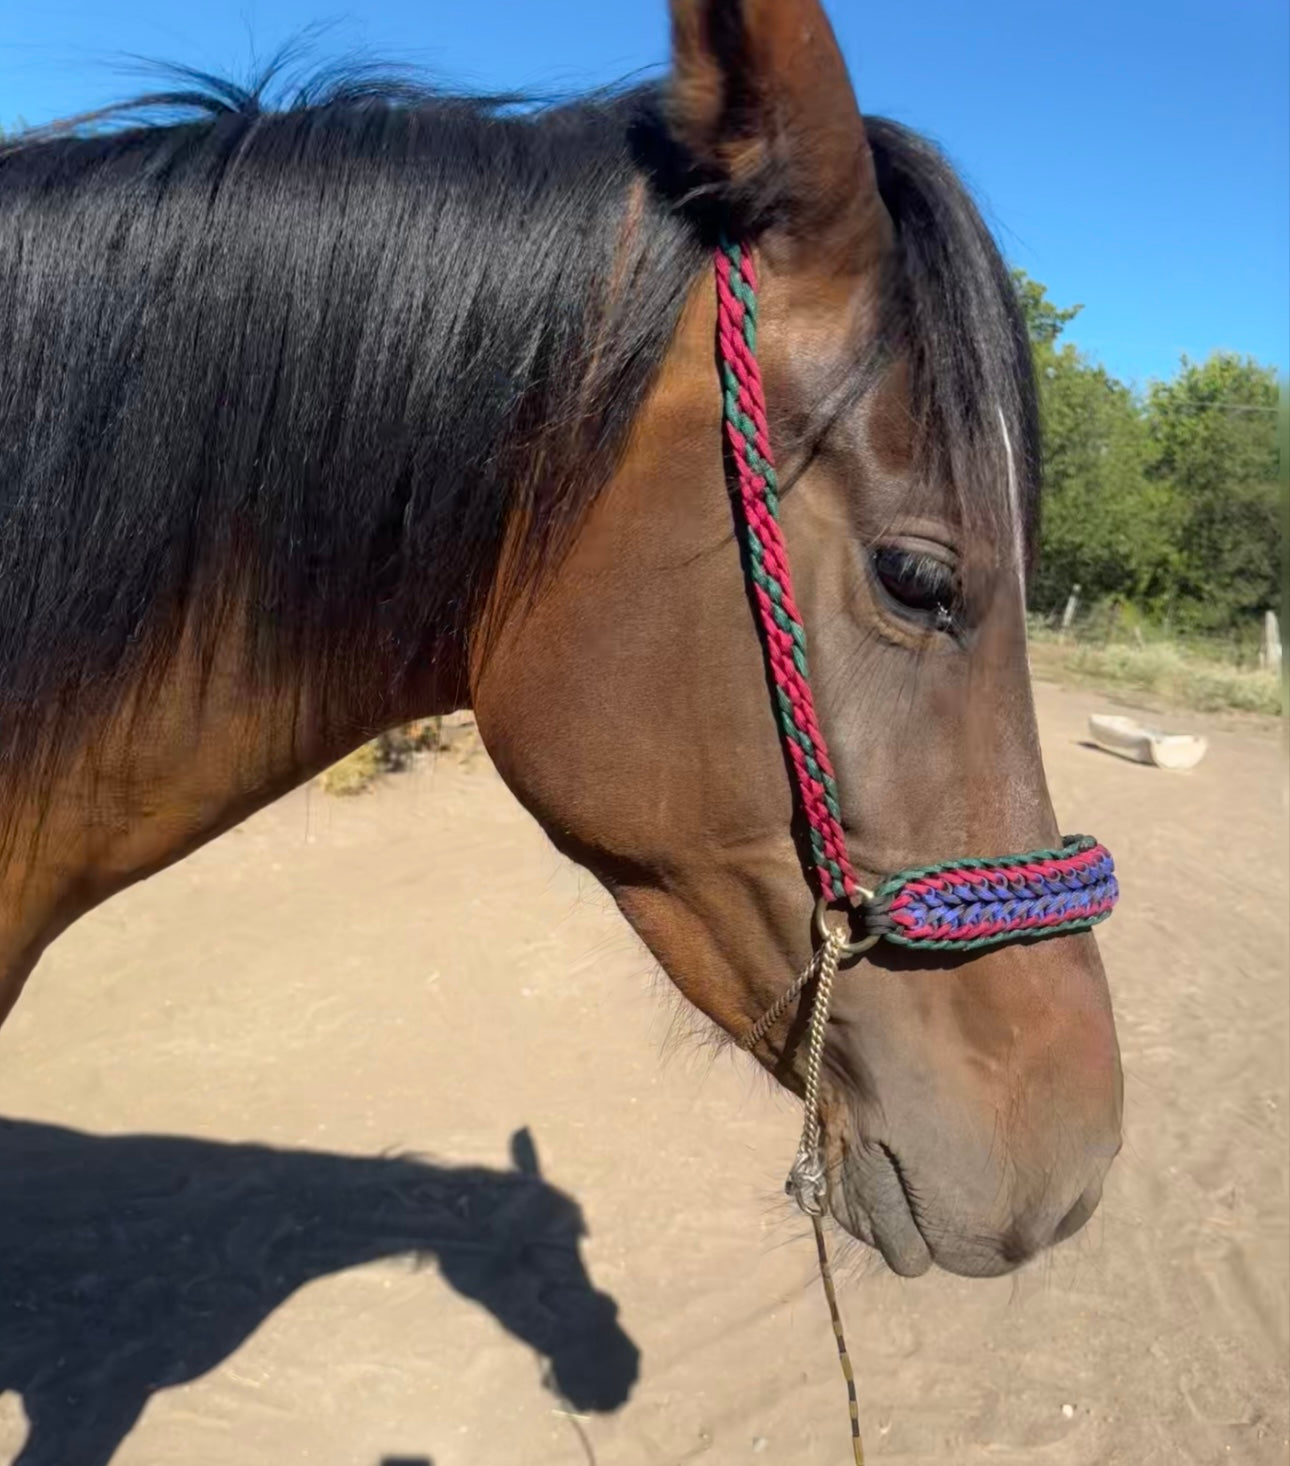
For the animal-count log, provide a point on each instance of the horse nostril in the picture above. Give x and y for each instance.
(1024, 1241)
(1079, 1213)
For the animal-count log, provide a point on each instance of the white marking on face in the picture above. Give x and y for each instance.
(1014, 503)
(1018, 526)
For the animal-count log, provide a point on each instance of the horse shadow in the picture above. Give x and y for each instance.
(132, 1263)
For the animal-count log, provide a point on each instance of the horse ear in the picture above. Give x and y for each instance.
(761, 104)
(524, 1154)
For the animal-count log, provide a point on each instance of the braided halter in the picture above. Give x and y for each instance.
(960, 905)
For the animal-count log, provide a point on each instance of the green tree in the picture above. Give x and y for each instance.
(1212, 439)
(1106, 525)
(1044, 320)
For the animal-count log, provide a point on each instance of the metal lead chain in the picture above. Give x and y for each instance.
(806, 1178)
(805, 1182)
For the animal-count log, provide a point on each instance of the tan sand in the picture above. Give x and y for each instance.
(416, 970)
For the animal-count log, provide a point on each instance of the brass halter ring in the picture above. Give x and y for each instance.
(823, 930)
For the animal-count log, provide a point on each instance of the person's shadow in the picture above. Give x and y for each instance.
(131, 1263)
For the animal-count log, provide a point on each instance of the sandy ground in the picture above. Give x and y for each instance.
(302, 1136)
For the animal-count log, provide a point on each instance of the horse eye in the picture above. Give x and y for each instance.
(921, 586)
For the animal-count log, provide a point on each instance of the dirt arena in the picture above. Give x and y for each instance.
(357, 1140)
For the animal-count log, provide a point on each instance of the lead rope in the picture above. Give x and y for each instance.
(784, 638)
(806, 1179)
(826, 1277)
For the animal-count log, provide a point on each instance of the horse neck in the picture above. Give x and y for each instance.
(322, 419)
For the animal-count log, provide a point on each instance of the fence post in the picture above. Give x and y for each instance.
(1270, 651)
(1072, 605)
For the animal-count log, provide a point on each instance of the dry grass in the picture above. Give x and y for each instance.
(359, 771)
(354, 774)
(1166, 670)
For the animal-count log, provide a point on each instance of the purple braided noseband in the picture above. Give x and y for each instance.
(965, 904)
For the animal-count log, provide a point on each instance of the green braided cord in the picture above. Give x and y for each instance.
(1071, 845)
(767, 568)
(783, 620)
(783, 705)
(744, 293)
(803, 740)
(766, 471)
(748, 429)
(822, 857)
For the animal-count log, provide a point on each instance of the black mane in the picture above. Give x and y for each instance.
(297, 360)
(284, 359)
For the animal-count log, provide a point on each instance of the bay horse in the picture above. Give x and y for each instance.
(318, 420)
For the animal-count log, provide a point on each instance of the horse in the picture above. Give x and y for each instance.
(380, 403)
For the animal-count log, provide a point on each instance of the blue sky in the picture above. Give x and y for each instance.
(1132, 154)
